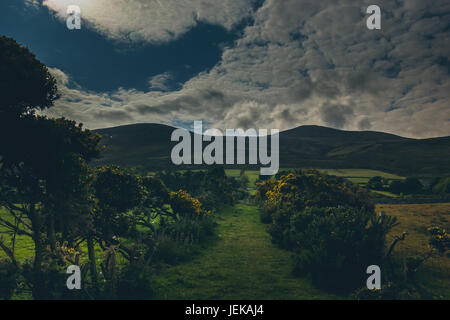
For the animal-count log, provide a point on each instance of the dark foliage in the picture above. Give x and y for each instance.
(26, 85)
(335, 245)
(407, 186)
(212, 187)
(8, 279)
(328, 223)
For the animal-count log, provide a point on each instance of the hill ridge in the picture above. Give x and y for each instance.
(148, 145)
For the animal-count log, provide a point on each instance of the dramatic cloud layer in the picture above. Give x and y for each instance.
(298, 62)
(153, 20)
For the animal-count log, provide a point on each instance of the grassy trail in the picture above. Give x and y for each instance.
(241, 264)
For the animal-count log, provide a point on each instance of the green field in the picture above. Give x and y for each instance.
(359, 176)
(24, 245)
(242, 264)
(385, 193)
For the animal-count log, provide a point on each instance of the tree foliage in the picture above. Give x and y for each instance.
(26, 84)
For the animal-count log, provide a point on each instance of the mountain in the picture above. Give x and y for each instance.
(144, 145)
(148, 146)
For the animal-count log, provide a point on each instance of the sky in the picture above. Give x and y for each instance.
(263, 64)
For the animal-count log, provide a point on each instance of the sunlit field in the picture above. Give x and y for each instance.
(416, 219)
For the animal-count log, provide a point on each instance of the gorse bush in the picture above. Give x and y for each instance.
(185, 205)
(335, 245)
(297, 191)
(329, 224)
(212, 187)
(439, 239)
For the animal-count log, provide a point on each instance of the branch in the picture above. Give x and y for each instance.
(14, 228)
(11, 207)
(8, 252)
(394, 243)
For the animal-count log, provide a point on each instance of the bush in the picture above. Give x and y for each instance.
(212, 187)
(294, 192)
(134, 282)
(329, 223)
(170, 251)
(440, 186)
(54, 282)
(265, 217)
(439, 239)
(193, 230)
(375, 183)
(186, 206)
(336, 245)
(8, 279)
(174, 242)
(407, 186)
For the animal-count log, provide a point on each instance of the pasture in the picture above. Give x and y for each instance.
(416, 219)
(242, 263)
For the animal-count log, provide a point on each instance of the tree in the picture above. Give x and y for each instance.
(116, 194)
(26, 85)
(407, 186)
(46, 191)
(413, 186)
(156, 203)
(396, 186)
(375, 183)
(44, 177)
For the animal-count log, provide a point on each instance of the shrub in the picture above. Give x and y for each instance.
(54, 282)
(185, 205)
(8, 279)
(134, 282)
(175, 241)
(329, 223)
(439, 239)
(265, 217)
(407, 186)
(336, 245)
(440, 186)
(170, 251)
(192, 230)
(375, 183)
(212, 186)
(294, 192)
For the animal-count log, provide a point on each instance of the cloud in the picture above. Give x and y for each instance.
(336, 115)
(153, 20)
(298, 62)
(160, 81)
(364, 124)
(32, 3)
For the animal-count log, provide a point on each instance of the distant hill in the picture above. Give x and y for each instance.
(148, 146)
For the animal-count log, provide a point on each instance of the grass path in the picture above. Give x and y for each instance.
(241, 264)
